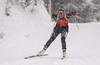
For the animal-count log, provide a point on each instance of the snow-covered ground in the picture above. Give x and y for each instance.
(25, 34)
(83, 47)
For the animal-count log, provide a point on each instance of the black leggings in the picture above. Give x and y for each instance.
(56, 31)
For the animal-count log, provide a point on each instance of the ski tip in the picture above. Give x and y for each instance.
(26, 58)
(62, 58)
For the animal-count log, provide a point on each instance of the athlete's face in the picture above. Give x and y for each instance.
(61, 15)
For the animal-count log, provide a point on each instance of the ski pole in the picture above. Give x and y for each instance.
(76, 23)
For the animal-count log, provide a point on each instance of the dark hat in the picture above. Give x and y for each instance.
(61, 11)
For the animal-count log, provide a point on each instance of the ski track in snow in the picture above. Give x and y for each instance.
(56, 61)
(82, 55)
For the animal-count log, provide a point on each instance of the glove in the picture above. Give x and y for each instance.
(73, 13)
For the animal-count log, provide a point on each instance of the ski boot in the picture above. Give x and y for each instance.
(41, 52)
(64, 53)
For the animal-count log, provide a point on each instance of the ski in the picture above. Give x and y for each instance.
(62, 58)
(32, 56)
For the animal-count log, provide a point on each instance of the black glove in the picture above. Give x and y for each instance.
(73, 13)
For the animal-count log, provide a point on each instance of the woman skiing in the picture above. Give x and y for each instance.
(61, 27)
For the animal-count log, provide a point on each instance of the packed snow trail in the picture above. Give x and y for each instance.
(83, 48)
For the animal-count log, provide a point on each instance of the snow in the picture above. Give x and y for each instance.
(26, 34)
(88, 1)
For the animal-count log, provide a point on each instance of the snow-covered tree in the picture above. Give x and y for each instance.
(87, 11)
(96, 1)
